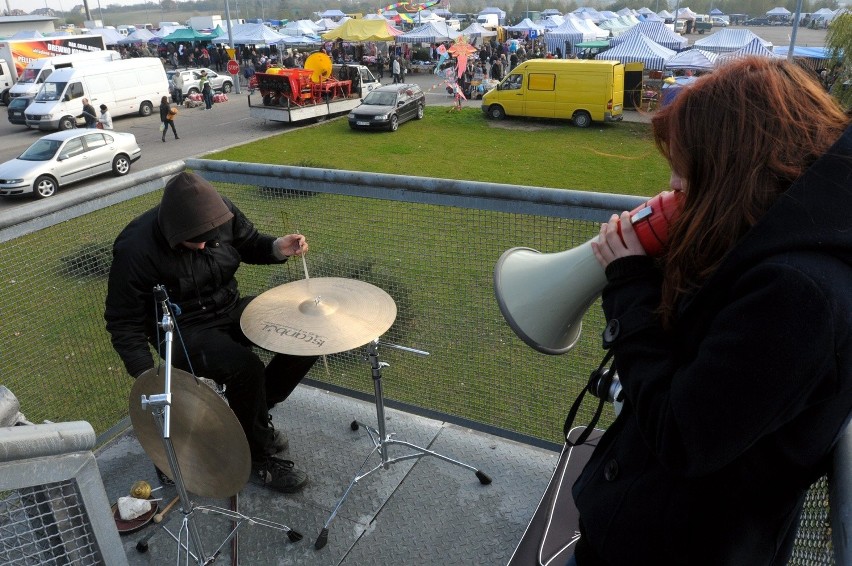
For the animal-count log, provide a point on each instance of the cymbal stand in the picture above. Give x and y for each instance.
(160, 407)
(382, 439)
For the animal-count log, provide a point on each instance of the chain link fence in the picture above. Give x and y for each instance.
(431, 244)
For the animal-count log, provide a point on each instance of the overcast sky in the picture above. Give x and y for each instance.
(62, 5)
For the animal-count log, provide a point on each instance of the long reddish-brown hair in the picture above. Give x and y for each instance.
(739, 137)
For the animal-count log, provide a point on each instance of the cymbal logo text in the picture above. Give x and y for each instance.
(294, 333)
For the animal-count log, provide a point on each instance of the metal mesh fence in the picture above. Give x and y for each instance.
(436, 260)
(46, 525)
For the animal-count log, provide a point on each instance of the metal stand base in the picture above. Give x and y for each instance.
(382, 439)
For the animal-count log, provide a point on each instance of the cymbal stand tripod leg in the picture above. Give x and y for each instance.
(382, 440)
(188, 537)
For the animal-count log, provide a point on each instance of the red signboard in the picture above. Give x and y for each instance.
(233, 67)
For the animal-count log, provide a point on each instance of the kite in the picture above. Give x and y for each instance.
(461, 50)
(410, 6)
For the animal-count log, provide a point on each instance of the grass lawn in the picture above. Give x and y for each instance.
(609, 158)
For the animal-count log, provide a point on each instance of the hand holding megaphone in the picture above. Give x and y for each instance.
(543, 297)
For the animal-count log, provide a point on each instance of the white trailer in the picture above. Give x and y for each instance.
(295, 113)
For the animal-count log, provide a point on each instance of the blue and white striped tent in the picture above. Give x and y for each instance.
(566, 33)
(433, 32)
(728, 40)
(754, 48)
(658, 32)
(694, 60)
(639, 49)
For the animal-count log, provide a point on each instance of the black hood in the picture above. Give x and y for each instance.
(190, 207)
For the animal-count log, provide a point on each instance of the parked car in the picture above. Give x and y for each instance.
(192, 80)
(389, 106)
(16, 108)
(719, 22)
(757, 22)
(66, 157)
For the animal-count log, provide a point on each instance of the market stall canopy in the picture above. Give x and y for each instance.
(801, 51)
(289, 40)
(694, 60)
(588, 13)
(665, 14)
(187, 34)
(639, 49)
(251, 34)
(27, 34)
(527, 25)
(727, 40)
(567, 33)
(363, 30)
(299, 27)
(426, 16)
(779, 11)
(332, 14)
(476, 30)
(716, 12)
(656, 31)
(432, 32)
(326, 24)
(588, 25)
(754, 48)
(111, 37)
(139, 36)
(686, 14)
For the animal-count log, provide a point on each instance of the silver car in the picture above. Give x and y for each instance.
(192, 80)
(66, 157)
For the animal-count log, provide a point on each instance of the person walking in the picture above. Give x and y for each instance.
(89, 114)
(104, 119)
(395, 69)
(167, 117)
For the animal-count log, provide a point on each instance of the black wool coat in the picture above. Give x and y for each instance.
(731, 414)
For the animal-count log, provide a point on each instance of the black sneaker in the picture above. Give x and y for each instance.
(165, 480)
(278, 474)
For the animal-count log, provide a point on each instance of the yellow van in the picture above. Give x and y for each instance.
(576, 89)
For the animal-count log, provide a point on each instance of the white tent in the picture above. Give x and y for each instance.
(656, 31)
(639, 49)
(27, 34)
(141, 35)
(332, 14)
(251, 34)
(299, 27)
(686, 14)
(111, 37)
(527, 25)
(693, 59)
(588, 13)
(476, 30)
(780, 11)
(727, 40)
(425, 17)
(665, 14)
(551, 22)
(432, 32)
(325, 24)
(588, 25)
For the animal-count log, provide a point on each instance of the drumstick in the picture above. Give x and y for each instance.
(159, 516)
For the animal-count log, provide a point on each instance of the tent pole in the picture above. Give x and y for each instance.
(795, 30)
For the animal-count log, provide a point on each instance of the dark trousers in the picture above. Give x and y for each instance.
(168, 123)
(208, 99)
(219, 350)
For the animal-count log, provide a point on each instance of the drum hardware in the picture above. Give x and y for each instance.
(382, 439)
(213, 469)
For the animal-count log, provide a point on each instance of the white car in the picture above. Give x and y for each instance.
(192, 80)
(66, 157)
(719, 22)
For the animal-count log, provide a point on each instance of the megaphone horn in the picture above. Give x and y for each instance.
(543, 296)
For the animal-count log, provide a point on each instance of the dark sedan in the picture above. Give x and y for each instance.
(385, 108)
(16, 109)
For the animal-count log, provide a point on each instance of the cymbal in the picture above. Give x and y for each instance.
(318, 316)
(210, 445)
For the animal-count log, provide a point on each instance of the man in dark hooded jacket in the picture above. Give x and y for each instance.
(192, 244)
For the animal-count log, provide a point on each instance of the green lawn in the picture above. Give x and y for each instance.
(609, 158)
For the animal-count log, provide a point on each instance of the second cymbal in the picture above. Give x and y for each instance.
(318, 316)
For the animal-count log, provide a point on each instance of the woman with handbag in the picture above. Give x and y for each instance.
(167, 117)
(104, 119)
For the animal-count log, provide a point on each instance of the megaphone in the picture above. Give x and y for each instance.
(543, 297)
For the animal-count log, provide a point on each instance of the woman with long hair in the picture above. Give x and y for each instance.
(734, 348)
(167, 117)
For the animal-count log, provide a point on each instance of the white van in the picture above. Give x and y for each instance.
(127, 86)
(37, 70)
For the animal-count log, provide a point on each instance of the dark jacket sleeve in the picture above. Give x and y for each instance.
(751, 370)
(129, 294)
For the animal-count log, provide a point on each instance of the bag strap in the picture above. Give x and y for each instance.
(595, 377)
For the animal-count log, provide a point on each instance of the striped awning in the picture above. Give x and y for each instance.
(639, 49)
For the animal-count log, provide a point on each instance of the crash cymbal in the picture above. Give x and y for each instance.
(210, 445)
(318, 316)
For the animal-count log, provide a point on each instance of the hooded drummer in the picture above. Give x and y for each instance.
(192, 244)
